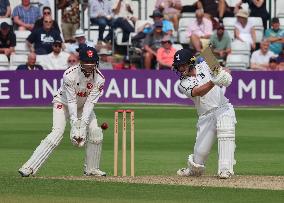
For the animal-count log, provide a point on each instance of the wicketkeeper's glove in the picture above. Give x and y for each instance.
(222, 79)
(78, 133)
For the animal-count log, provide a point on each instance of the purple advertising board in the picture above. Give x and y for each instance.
(35, 88)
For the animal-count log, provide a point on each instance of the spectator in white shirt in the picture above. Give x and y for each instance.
(57, 59)
(260, 58)
(244, 28)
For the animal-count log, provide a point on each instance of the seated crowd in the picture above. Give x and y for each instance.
(155, 42)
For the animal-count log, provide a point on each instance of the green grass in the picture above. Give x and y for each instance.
(164, 138)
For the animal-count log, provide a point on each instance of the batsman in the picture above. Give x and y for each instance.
(202, 83)
(75, 100)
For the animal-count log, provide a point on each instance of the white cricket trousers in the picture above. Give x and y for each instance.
(207, 131)
(47, 145)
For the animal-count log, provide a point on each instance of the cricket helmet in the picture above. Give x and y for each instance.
(183, 56)
(89, 59)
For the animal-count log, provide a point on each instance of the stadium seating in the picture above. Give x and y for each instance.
(239, 47)
(21, 48)
(4, 62)
(7, 20)
(237, 61)
(182, 30)
(17, 59)
(22, 35)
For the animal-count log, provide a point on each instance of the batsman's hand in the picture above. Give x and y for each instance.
(222, 79)
(78, 133)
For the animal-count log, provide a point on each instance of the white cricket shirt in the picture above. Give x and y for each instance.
(78, 91)
(213, 99)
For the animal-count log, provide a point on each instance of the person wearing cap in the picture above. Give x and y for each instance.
(171, 10)
(273, 65)
(244, 29)
(216, 114)
(70, 18)
(199, 31)
(75, 101)
(101, 14)
(5, 9)
(104, 59)
(7, 39)
(165, 54)
(31, 63)
(257, 9)
(25, 15)
(57, 59)
(275, 35)
(46, 11)
(152, 43)
(221, 42)
(80, 38)
(41, 39)
(260, 58)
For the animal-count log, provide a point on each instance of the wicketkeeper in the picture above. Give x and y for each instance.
(82, 87)
(216, 115)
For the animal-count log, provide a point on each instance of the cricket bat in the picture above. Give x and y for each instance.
(211, 60)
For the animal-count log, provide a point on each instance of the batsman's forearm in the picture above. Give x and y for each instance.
(203, 89)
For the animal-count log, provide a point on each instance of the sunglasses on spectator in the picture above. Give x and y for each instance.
(46, 13)
(47, 21)
(166, 42)
(72, 61)
(57, 45)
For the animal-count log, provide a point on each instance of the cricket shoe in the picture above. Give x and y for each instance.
(225, 174)
(25, 172)
(185, 172)
(95, 172)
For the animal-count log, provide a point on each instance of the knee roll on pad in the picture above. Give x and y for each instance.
(197, 169)
(95, 135)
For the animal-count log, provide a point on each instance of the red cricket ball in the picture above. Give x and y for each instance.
(104, 126)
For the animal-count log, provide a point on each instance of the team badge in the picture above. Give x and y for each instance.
(89, 85)
(59, 106)
(90, 53)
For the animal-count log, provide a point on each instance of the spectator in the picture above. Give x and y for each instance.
(244, 29)
(25, 15)
(7, 39)
(80, 38)
(212, 8)
(221, 42)
(41, 39)
(260, 58)
(42, 4)
(152, 43)
(5, 9)
(72, 60)
(31, 63)
(275, 36)
(46, 11)
(104, 59)
(165, 54)
(101, 15)
(280, 60)
(57, 59)
(171, 10)
(70, 18)
(257, 9)
(273, 65)
(123, 18)
(200, 31)
(168, 27)
(125, 65)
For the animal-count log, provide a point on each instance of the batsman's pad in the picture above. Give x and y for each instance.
(226, 143)
(196, 169)
(95, 135)
(222, 79)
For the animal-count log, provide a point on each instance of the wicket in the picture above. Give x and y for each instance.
(124, 126)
